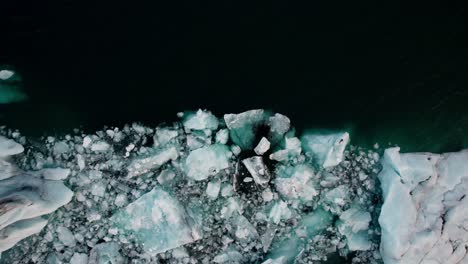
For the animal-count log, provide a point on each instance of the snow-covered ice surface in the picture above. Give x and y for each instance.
(239, 189)
(424, 217)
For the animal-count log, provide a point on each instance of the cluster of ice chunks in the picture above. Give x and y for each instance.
(26, 196)
(242, 189)
(424, 218)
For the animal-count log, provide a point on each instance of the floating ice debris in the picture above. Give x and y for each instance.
(212, 190)
(262, 147)
(258, 170)
(207, 161)
(154, 159)
(239, 190)
(326, 149)
(158, 221)
(292, 150)
(279, 125)
(424, 215)
(296, 182)
(164, 135)
(200, 120)
(107, 253)
(354, 224)
(6, 74)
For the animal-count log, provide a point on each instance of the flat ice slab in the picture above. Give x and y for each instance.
(158, 221)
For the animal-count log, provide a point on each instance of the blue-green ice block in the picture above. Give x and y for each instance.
(159, 222)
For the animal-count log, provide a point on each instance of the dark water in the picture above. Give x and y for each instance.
(387, 72)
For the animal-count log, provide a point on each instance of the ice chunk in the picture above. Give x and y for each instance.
(14, 233)
(207, 161)
(258, 170)
(212, 190)
(106, 253)
(353, 224)
(310, 225)
(164, 136)
(244, 230)
(159, 222)
(200, 120)
(154, 159)
(279, 125)
(9, 147)
(100, 146)
(79, 258)
(326, 148)
(263, 146)
(279, 211)
(229, 256)
(166, 176)
(6, 74)
(222, 136)
(66, 236)
(296, 182)
(292, 150)
(242, 127)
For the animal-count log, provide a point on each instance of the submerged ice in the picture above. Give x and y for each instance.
(244, 188)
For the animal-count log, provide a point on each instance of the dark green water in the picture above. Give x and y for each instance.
(388, 73)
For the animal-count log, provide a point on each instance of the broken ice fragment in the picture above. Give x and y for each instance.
(164, 136)
(106, 253)
(296, 182)
(158, 221)
(6, 74)
(353, 224)
(263, 146)
(207, 161)
(325, 148)
(242, 127)
(222, 136)
(258, 170)
(310, 225)
(200, 120)
(212, 190)
(154, 159)
(166, 176)
(229, 256)
(279, 125)
(100, 146)
(292, 150)
(66, 236)
(244, 230)
(79, 258)
(279, 211)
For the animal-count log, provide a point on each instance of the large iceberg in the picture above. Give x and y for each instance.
(425, 212)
